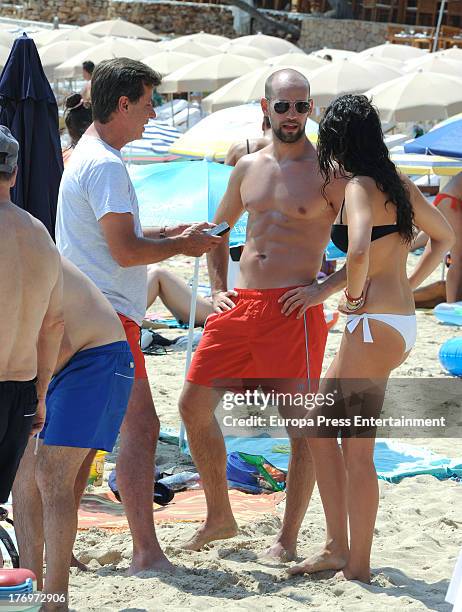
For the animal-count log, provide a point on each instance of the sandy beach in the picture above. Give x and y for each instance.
(417, 538)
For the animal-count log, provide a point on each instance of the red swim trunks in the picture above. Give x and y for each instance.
(255, 340)
(132, 331)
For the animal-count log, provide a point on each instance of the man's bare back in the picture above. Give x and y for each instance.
(89, 318)
(29, 270)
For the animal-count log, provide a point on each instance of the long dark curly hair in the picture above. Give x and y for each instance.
(350, 143)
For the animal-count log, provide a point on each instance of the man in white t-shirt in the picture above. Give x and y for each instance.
(99, 230)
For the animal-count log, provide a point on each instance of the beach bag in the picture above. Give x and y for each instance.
(253, 473)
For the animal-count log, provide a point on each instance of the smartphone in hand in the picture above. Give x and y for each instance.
(219, 230)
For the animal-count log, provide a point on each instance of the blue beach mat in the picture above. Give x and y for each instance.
(394, 460)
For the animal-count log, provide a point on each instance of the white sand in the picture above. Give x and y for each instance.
(418, 532)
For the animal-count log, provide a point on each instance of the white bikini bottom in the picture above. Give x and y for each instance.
(406, 325)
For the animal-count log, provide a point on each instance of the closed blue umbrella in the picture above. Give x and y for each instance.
(28, 108)
(446, 141)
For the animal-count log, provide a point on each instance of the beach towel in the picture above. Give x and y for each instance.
(394, 460)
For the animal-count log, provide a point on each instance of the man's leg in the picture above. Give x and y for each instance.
(56, 472)
(80, 484)
(135, 477)
(197, 407)
(300, 483)
(28, 514)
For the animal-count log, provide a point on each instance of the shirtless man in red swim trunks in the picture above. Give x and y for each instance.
(272, 327)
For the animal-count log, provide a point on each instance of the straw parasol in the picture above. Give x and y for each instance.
(47, 37)
(167, 61)
(399, 52)
(245, 50)
(336, 54)
(58, 52)
(344, 77)
(208, 73)
(418, 96)
(309, 62)
(112, 47)
(119, 27)
(272, 44)
(433, 63)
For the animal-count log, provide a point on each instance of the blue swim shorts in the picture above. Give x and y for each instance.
(87, 400)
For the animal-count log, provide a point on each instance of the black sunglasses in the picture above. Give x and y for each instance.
(301, 106)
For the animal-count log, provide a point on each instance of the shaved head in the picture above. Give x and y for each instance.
(285, 80)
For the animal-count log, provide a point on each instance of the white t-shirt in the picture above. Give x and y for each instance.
(96, 182)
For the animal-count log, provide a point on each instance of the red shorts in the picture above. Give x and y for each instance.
(255, 340)
(132, 331)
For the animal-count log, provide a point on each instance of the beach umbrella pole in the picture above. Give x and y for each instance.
(192, 319)
(438, 26)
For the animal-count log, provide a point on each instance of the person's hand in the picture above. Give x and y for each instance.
(342, 306)
(39, 418)
(195, 241)
(302, 298)
(176, 230)
(221, 300)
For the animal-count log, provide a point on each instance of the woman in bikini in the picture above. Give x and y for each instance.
(375, 226)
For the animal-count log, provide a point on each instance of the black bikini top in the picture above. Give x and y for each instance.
(339, 232)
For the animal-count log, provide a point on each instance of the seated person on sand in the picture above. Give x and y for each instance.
(239, 149)
(449, 202)
(86, 403)
(176, 295)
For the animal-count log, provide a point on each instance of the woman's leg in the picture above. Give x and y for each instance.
(175, 294)
(364, 366)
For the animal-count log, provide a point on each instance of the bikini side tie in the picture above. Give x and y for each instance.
(352, 324)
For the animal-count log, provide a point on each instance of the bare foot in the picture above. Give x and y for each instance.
(279, 552)
(76, 563)
(320, 562)
(159, 563)
(204, 535)
(347, 574)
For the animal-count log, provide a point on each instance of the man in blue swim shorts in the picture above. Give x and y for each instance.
(85, 406)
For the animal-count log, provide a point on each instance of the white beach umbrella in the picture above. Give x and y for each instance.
(48, 37)
(343, 77)
(399, 52)
(112, 47)
(208, 73)
(379, 61)
(213, 135)
(336, 54)
(309, 62)
(167, 61)
(4, 55)
(418, 96)
(119, 27)
(433, 63)
(245, 50)
(182, 45)
(247, 88)
(204, 38)
(148, 47)
(272, 44)
(388, 71)
(57, 53)
(6, 39)
(454, 53)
